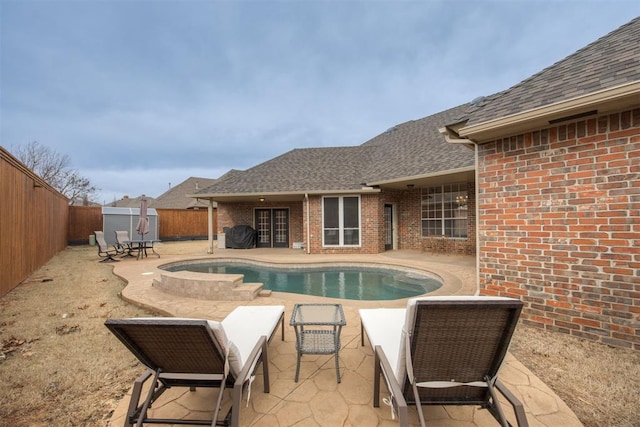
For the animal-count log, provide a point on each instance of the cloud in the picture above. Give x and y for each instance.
(173, 89)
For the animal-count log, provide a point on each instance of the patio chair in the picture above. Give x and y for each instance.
(180, 352)
(443, 351)
(123, 243)
(103, 248)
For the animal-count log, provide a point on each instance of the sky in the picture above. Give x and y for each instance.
(143, 94)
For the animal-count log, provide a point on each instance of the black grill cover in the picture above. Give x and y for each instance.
(240, 237)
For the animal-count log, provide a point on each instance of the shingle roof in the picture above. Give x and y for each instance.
(128, 202)
(176, 196)
(409, 149)
(416, 148)
(299, 170)
(610, 61)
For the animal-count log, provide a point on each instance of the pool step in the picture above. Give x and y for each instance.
(245, 291)
(207, 286)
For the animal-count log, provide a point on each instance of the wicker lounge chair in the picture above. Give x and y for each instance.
(103, 248)
(193, 353)
(443, 351)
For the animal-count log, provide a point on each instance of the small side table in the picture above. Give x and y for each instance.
(318, 328)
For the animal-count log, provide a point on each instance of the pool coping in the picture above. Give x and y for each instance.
(139, 274)
(206, 284)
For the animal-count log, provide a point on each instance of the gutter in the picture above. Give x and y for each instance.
(226, 196)
(627, 93)
(308, 242)
(423, 176)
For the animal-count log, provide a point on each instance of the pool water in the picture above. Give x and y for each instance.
(355, 283)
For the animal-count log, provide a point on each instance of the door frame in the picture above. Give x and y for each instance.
(272, 226)
(394, 227)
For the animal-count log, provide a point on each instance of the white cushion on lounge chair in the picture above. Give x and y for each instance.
(382, 326)
(234, 357)
(247, 323)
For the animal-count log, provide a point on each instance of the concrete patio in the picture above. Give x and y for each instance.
(317, 399)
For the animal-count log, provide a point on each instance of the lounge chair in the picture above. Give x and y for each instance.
(193, 353)
(103, 248)
(123, 243)
(443, 351)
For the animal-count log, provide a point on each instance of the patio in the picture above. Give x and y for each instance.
(317, 399)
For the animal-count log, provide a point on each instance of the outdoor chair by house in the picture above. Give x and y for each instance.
(103, 248)
(123, 243)
(180, 352)
(443, 351)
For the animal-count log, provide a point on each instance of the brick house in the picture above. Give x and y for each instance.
(398, 190)
(558, 191)
(540, 181)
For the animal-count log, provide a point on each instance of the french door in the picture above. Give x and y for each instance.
(272, 226)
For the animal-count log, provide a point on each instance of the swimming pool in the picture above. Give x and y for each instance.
(354, 282)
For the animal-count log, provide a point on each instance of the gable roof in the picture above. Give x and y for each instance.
(410, 149)
(298, 171)
(417, 148)
(128, 202)
(176, 196)
(609, 62)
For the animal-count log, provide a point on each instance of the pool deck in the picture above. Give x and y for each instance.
(317, 399)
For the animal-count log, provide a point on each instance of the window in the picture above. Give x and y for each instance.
(444, 210)
(341, 221)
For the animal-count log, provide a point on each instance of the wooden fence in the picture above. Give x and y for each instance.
(173, 224)
(83, 221)
(181, 224)
(34, 219)
(36, 222)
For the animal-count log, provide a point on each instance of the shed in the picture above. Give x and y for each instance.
(120, 219)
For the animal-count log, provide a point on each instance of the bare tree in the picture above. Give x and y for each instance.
(55, 168)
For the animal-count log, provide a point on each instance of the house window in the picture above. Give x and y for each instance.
(444, 210)
(341, 221)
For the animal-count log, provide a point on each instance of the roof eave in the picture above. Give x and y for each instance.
(278, 196)
(597, 102)
(424, 179)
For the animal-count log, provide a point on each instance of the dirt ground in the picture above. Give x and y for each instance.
(59, 365)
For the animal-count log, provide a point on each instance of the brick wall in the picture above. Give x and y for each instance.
(372, 239)
(410, 225)
(230, 214)
(559, 226)
(407, 209)
(409, 220)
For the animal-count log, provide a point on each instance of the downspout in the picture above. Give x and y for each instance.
(446, 132)
(475, 196)
(308, 242)
(210, 226)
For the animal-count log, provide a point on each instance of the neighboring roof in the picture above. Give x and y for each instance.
(81, 201)
(611, 61)
(176, 197)
(128, 202)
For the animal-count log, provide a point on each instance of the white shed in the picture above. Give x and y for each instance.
(119, 219)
